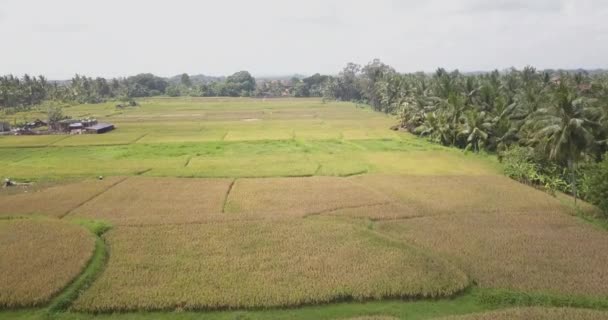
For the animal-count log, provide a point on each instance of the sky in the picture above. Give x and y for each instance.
(114, 38)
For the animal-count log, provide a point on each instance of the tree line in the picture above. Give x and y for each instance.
(17, 94)
(550, 128)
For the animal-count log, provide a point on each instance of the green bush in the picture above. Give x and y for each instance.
(520, 164)
(596, 184)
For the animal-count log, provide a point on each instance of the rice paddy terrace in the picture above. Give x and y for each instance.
(280, 209)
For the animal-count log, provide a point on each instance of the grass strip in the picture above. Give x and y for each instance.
(94, 267)
(498, 298)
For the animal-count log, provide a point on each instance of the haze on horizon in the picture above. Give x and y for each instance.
(271, 37)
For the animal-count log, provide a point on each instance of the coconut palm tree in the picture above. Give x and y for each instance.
(564, 129)
(476, 129)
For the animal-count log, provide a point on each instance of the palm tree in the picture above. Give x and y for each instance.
(564, 129)
(476, 130)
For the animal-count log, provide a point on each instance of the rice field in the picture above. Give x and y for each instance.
(56, 201)
(142, 201)
(286, 197)
(530, 252)
(536, 314)
(39, 257)
(251, 208)
(416, 195)
(260, 264)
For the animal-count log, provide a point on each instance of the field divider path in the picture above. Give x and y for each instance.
(139, 138)
(58, 140)
(228, 194)
(93, 197)
(187, 163)
(326, 211)
(142, 172)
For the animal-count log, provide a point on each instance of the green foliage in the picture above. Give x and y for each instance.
(97, 227)
(54, 115)
(596, 185)
(520, 164)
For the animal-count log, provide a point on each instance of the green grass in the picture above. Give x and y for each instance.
(401, 309)
(473, 301)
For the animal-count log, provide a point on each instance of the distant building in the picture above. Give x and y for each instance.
(100, 128)
(64, 125)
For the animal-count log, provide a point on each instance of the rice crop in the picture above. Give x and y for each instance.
(541, 252)
(536, 313)
(374, 318)
(432, 162)
(39, 257)
(435, 195)
(260, 264)
(55, 200)
(298, 196)
(143, 200)
(250, 166)
(29, 141)
(111, 138)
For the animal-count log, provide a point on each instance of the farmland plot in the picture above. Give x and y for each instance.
(284, 197)
(29, 141)
(112, 138)
(142, 200)
(534, 252)
(39, 257)
(247, 166)
(55, 200)
(260, 264)
(418, 196)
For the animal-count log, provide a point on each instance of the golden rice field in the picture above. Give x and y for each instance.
(54, 201)
(532, 252)
(261, 264)
(536, 314)
(298, 196)
(143, 200)
(38, 258)
(279, 209)
(417, 195)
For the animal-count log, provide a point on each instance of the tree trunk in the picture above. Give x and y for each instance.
(572, 166)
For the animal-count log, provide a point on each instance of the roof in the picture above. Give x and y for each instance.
(75, 125)
(100, 126)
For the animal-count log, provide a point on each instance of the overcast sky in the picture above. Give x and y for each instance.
(121, 37)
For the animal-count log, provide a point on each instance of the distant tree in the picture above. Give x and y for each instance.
(146, 84)
(239, 84)
(371, 74)
(54, 116)
(173, 91)
(315, 84)
(185, 80)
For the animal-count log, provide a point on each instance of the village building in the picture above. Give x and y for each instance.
(100, 128)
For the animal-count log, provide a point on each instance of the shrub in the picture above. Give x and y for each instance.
(596, 181)
(521, 164)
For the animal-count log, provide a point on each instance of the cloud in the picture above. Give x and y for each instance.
(503, 6)
(60, 27)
